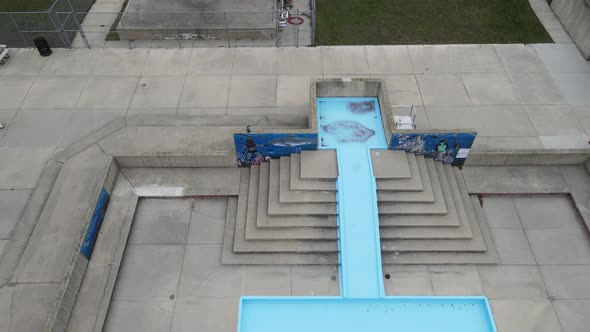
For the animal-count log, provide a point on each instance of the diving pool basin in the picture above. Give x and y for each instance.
(353, 126)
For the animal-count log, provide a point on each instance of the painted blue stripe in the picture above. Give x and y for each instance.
(95, 224)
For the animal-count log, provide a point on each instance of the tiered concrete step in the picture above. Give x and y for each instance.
(319, 164)
(466, 238)
(242, 244)
(388, 190)
(276, 208)
(476, 217)
(271, 223)
(280, 175)
(322, 228)
(385, 181)
(230, 257)
(437, 207)
(389, 164)
(299, 183)
(414, 183)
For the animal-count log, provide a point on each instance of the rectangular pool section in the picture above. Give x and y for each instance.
(386, 314)
(353, 126)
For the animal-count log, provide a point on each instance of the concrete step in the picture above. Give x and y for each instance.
(253, 232)
(414, 183)
(449, 219)
(276, 208)
(297, 183)
(229, 257)
(280, 171)
(474, 212)
(438, 207)
(241, 244)
(390, 164)
(319, 164)
(424, 239)
(464, 230)
(263, 219)
(474, 243)
(426, 195)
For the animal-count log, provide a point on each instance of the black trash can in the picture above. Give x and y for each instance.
(42, 46)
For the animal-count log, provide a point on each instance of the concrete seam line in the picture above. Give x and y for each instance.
(23, 230)
(89, 140)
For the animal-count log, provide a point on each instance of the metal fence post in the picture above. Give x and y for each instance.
(80, 30)
(278, 29)
(177, 36)
(59, 28)
(18, 29)
(313, 18)
(226, 30)
(121, 19)
(297, 29)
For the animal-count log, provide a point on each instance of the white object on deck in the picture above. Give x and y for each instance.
(406, 122)
(3, 55)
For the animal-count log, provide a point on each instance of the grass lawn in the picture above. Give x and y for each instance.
(25, 5)
(35, 22)
(378, 22)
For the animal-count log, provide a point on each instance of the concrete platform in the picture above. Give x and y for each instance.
(280, 170)
(320, 164)
(388, 164)
(171, 138)
(298, 183)
(426, 195)
(415, 183)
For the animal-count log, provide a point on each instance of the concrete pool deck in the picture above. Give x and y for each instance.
(518, 97)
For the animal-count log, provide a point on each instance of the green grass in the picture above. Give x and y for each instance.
(378, 22)
(25, 5)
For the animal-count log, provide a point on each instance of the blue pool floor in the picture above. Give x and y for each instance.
(403, 314)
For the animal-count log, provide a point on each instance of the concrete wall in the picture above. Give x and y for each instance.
(575, 17)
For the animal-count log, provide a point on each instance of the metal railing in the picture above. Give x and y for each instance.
(63, 25)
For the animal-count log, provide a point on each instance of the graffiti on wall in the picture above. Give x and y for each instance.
(450, 148)
(252, 149)
(95, 223)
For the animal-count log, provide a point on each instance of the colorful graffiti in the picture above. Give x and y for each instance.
(95, 223)
(252, 149)
(450, 148)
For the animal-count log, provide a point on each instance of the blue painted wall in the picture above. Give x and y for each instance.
(95, 223)
(439, 146)
(252, 149)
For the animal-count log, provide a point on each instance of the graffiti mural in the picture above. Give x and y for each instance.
(252, 149)
(450, 148)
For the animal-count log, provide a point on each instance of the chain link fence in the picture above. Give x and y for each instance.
(70, 24)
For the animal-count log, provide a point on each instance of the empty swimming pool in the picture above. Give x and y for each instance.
(353, 126)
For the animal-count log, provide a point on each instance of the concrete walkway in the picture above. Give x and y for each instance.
(516, 96)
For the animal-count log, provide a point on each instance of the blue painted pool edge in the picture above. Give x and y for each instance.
(318, 307)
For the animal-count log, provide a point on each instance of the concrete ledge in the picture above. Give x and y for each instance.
(90, 140)
(574, 15)
(255, 121)
(27, 222)
(514, 179)
(98, 284)
(179, 182)
(528, 157)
